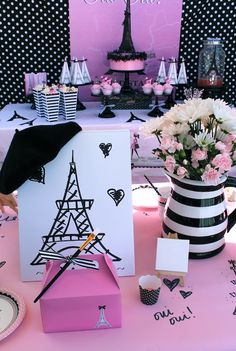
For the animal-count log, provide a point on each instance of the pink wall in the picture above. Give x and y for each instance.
(96, 28)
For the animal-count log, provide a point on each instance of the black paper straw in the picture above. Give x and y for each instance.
(156, 190)
(2, 263)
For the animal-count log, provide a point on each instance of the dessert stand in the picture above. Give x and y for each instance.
(76, 80)
(128, 98)
(80, 106)
(106, 112)
(127, 88)
(175, 81)
(169, 102)
(131, 62)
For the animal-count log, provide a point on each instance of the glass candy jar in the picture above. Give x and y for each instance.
(211, 64)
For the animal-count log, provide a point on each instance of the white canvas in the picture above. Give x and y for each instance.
(172, 255)
(103, 168)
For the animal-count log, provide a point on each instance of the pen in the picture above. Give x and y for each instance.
(77, 252)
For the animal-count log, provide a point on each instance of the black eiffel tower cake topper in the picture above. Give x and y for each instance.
(72, 224)
(126, 49)
(127, 42)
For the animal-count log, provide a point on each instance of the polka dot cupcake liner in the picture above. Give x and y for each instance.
(149, 289)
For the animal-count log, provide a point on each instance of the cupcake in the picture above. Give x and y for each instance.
(107, 89)
(116, 88)
(167, 87)
(158, 89)
(96, 89)
(147, 87)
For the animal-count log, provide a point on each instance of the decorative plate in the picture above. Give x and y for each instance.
(144, 198)
(12, 312)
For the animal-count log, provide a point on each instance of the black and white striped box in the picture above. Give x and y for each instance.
(68, 104)
(51, 106)
(38, 103)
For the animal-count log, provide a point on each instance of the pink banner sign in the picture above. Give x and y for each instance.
(96, 28)
(32, 79)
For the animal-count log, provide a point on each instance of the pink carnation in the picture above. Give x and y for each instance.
(181, 172)
(228, 147)
(199, 155)
(170, 164)
(195, 164)
(230, 138)
(223, 162)
(220, 146)
(169, 144)
(178, 146)
(211, 175)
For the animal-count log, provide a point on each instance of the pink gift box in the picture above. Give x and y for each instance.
(81, 299)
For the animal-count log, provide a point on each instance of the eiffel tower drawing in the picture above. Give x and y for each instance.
(102, 322)
(72, 224)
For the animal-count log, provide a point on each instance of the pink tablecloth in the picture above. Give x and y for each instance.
(201, 316)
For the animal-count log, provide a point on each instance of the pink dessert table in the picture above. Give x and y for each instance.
(199, 316)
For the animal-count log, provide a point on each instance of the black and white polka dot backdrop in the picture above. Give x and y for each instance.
(36, 38)
(210, 18)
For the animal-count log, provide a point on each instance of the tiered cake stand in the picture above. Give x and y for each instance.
(169, 102)
(126, 88)
(126, 91)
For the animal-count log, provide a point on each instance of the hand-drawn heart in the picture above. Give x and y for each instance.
(106, 148)
(185, 293)
(171, 284)
(116, 195)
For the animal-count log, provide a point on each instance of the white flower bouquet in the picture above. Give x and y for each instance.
(196, 139)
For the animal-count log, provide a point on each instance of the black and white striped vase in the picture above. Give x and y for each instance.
(197, 212)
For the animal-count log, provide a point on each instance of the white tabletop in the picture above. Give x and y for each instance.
(87, 118)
